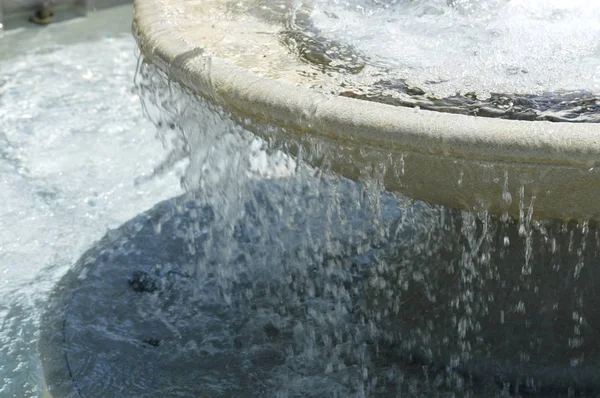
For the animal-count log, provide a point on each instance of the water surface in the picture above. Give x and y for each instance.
(74, 153)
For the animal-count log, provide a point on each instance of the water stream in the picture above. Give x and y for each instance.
(341, 289)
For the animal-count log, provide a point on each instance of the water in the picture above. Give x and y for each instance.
(447, 47)
(271, 278)
(267, 277)
(531, 60)
(74, 151)
(525, 60)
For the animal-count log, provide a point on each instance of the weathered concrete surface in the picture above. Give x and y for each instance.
(502, 166)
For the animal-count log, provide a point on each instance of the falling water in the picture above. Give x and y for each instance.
(270, 277)
(278, 279)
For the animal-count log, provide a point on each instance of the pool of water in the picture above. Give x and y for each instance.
(76, 154)
(446, 47)
(526, 60)
(533, 60)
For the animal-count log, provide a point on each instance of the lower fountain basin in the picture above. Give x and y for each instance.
(472, 163)
(176, 301)
(159, 307)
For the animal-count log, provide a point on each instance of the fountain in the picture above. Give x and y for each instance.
(385, 235)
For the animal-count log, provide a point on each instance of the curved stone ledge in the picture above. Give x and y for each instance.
(455, 160)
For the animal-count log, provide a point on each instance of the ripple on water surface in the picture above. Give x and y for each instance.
(72, 141)
(447, 47)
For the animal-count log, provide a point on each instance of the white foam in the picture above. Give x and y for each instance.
(73, 140)
(459, 46)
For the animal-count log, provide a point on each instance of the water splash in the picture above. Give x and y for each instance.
(498, 46)
(72, 139)
(378, 295)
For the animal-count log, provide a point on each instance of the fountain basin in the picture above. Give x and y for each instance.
(455, 160)
(159, 305)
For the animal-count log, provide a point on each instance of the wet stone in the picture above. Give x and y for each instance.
(152, 342)
(142, 282)
(271, 331)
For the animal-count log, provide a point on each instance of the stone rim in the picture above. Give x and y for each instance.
(303, 111)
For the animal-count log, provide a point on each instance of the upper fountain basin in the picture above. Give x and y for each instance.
(250, 59)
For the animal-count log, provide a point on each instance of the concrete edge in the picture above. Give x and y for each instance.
(373, 124)
(56, 378)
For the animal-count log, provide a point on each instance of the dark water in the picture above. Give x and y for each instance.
(309, 293)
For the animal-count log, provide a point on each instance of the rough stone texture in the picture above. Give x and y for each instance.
(454, 160)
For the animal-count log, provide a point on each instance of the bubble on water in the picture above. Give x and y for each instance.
(498, 46)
